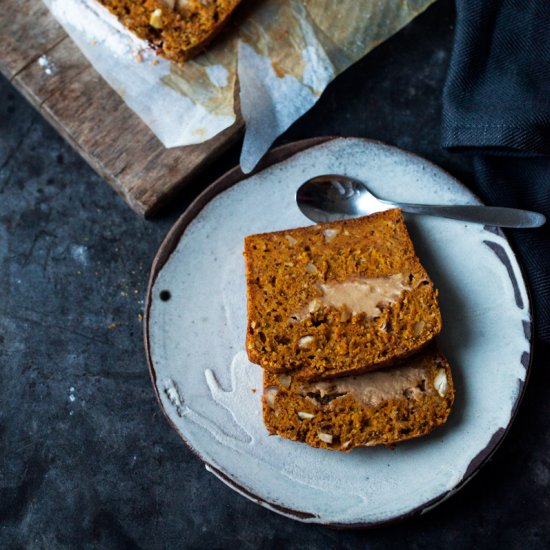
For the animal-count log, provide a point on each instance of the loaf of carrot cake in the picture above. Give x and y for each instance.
(380, 407)
(175, 29)
(337, 299)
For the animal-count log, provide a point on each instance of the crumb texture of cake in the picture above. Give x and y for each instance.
(377, 408)
(175, 29)
(337, 299)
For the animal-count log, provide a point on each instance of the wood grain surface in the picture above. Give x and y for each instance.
(91, 116)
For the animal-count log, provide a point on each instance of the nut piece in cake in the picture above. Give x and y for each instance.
(337, 299)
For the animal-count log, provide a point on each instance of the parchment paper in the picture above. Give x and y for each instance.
(286, 51)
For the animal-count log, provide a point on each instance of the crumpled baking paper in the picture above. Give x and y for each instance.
(285, 53)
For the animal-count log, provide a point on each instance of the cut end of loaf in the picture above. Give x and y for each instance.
(176, 29)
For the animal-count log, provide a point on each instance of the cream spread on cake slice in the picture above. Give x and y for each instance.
(178, 4)
(169, 3)
(365, 295)
(374, 388)
(360, 295)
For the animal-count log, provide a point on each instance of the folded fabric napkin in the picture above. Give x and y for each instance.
(496, 106)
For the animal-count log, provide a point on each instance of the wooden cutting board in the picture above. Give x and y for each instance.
(90, 115)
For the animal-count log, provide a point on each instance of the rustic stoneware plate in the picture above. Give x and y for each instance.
(211, 394)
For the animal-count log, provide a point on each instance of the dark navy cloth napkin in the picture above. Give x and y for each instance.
(496, 106)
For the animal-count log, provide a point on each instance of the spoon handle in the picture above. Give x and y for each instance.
(488, 215)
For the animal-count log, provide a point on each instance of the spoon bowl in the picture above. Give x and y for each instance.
(335, 197)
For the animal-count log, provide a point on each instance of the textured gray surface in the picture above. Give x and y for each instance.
(86, 458)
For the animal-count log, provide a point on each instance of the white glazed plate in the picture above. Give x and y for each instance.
(195, 334)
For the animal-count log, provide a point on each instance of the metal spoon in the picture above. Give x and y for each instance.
(333, 197)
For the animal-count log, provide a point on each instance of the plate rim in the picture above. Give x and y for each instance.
(170, 243)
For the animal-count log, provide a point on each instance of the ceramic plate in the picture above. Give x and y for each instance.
(211, 394)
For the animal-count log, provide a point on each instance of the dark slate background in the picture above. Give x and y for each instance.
(86, 457)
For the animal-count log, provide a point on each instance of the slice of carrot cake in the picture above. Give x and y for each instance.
(380, 407)
(337, 299)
